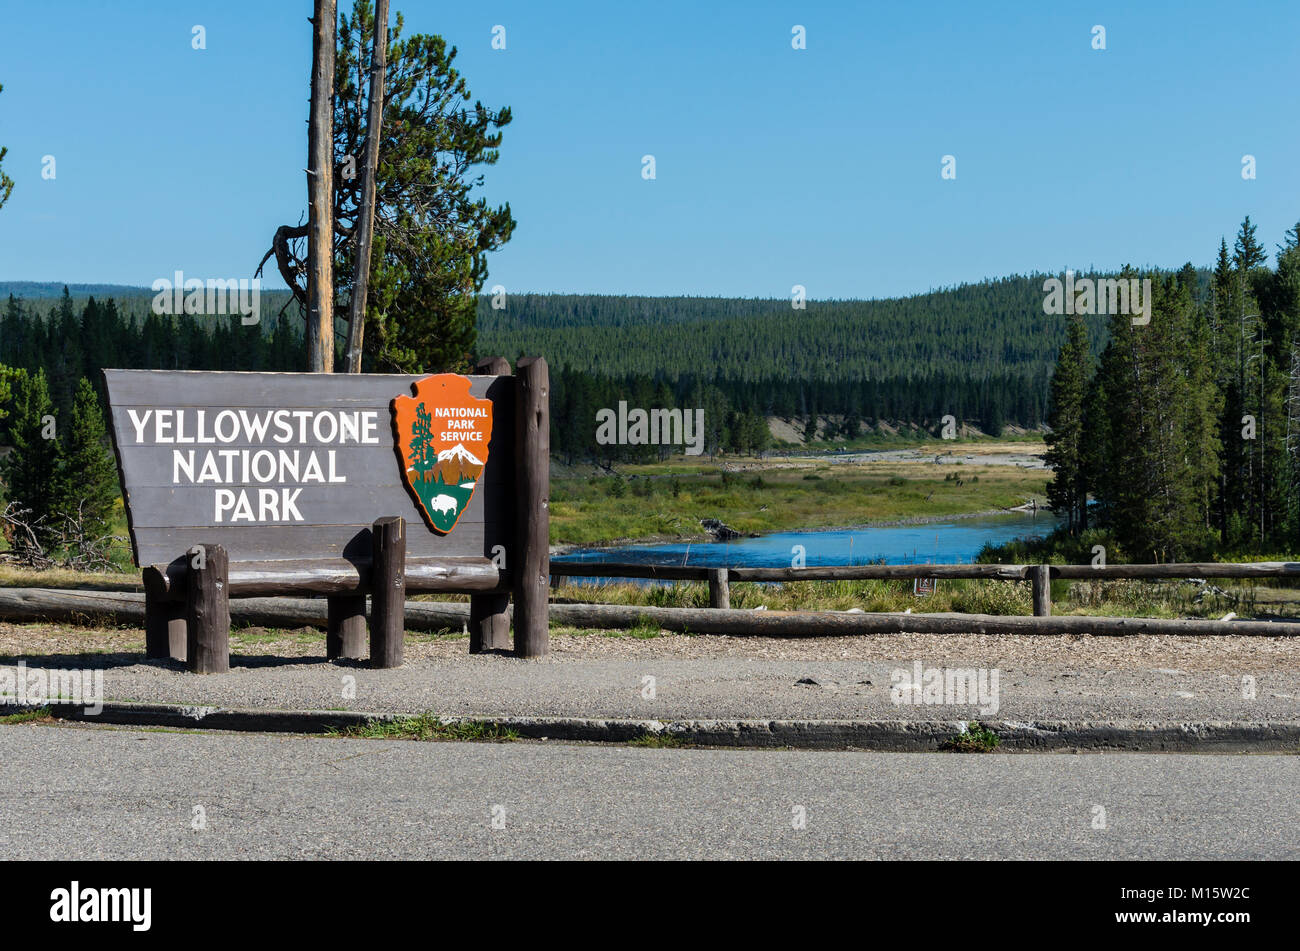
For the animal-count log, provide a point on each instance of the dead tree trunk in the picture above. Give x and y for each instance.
(320, 193)
(369, 172)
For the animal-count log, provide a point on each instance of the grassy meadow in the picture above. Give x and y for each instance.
(666, 501)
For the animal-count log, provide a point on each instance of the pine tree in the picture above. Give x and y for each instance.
(1067, 493)
(1150, 489)
(87, 475)
(65, 361)
(1205, 401)
(1248, 253)
(32, 466)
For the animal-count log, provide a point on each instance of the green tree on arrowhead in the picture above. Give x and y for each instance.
(87, 475)
(423, 456)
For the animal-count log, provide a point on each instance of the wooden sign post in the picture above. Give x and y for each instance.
(339, 486)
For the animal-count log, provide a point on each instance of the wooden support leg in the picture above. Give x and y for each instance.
(388, 600)
(1041, 576)
(164, 629)
(531, 566)
(207, 610)
(489, 623)
(719, 589)
(345, 635)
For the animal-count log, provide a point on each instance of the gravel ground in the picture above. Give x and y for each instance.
(1173, 679)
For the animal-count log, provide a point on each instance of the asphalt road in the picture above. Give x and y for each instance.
(80, 793)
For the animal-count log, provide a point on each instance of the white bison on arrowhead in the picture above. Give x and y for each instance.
(442, 504)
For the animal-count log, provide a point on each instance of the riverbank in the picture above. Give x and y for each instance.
(705, 537)
(666, 502)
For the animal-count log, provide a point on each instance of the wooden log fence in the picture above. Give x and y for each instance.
(1040, 577)
(488, 616)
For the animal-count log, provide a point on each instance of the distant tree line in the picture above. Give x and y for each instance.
(982, 353)
(736, 412)
(53, 411)
(69, 340)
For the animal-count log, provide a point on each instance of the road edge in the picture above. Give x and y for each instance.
(883, 735)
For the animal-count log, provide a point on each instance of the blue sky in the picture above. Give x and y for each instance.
(774, 166)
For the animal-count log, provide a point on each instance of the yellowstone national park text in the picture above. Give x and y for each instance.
(251, 484)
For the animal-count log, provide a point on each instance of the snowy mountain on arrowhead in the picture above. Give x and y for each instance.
(455, 466)
(459, 453)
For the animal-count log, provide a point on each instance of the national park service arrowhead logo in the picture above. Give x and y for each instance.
(442, 437)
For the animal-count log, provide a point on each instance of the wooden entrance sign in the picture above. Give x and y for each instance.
(290, 475)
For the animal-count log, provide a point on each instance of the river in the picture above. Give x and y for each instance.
(949, 542)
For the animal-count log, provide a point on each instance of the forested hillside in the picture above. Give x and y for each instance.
(971, 330)
(980, 352)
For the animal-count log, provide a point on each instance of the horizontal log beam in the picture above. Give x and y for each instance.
(334, 577)
(1256, 569)
(608, 570)
(1262, 569)
(810, 573)
(866, 572)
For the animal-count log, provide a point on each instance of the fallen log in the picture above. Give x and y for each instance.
(740, 623)
(29, 604)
